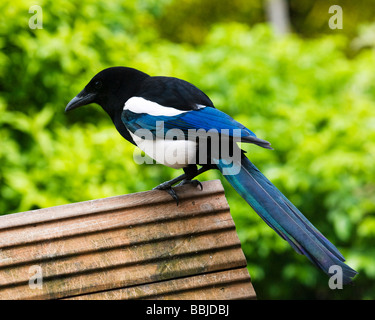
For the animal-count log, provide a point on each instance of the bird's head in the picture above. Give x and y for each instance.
(110, 88)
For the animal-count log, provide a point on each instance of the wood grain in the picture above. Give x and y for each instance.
(133, 246)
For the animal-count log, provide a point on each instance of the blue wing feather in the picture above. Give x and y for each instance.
(205, 118)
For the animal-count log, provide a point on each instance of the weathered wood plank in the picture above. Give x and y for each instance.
(123, 242)
(222, 285)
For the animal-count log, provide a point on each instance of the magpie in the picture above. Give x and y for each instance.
(145, 109)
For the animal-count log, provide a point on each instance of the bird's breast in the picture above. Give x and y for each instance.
(172, 153)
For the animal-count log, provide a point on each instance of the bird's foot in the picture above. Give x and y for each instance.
(166, 186)
(194, 183)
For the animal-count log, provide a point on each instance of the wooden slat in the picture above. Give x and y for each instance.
(120, 243)
(222, 285)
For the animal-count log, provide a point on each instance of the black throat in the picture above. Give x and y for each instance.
(122, 89)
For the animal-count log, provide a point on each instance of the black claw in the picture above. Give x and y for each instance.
(198, 183)
(168, 188)
(194, 183)
(173, 194)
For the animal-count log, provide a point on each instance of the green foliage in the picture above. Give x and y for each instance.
(315, 106)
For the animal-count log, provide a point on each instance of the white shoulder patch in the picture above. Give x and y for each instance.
(141, 105)
(200, 106)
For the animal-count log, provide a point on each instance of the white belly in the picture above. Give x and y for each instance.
(172, 153)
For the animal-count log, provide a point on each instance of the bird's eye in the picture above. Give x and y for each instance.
(98, 84)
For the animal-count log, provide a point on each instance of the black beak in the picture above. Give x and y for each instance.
(81, 99)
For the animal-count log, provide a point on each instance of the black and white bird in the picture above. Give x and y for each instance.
(145, 110)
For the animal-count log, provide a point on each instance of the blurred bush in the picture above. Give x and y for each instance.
(314, 104)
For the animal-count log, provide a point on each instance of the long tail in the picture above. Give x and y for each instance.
(282, 216)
